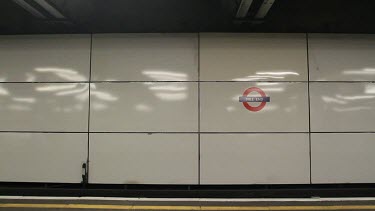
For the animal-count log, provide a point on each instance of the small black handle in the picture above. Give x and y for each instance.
(84, 173)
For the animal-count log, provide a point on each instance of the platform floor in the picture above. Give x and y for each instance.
(89, 203)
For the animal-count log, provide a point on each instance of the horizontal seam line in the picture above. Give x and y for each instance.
(35, 82)
(188, 207)
(159, 132)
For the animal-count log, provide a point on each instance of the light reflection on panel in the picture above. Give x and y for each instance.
(44, 58)
(341, 57)
(221, 110)
(42, 157)
(144, 159)
(44, 107)
(342, 107)
(145, 57)
(148, 106)
(255, 159)
(342, 158)
(253, 57)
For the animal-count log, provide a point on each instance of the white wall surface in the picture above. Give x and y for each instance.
(144, 107)
(342, 107)
(164, 108)
(39, 93)
(42, 157)
(44, 58)
(44, 107)
(253, 57)
(145, 57)
(221, 110)
(255, 159)
(342, 102)
(342, 158)
(341, 57)
(144, 158)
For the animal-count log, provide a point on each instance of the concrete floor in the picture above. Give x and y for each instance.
(73, 204)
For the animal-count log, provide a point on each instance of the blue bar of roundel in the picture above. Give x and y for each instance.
(254, 99)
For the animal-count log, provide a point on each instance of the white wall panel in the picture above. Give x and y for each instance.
(144, 159)
(134, 89)
(343, 158)
(253, 57)
(342, 107)
(221, 110)
(44, 107)
(42, 157)
(341, 57)
(158, 106)
(44, 58)
(255, 159)
(145, 57)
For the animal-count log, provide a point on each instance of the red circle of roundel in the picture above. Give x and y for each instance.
(254, 108)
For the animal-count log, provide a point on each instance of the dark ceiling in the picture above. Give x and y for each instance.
(115, 16)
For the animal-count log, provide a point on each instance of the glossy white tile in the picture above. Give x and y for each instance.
(47, 58)
(145, 57)
(342, 107)
(44, 107)
(253, 57)
(342, 57)
(144, 107)
(222, 111)
(343, 158)
(143, 158)
(255, 159)
(42, 157)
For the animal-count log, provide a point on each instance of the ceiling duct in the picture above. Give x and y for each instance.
(35, 6)
(264, 8)
(50, 9)
(243, 8)
(29, 8)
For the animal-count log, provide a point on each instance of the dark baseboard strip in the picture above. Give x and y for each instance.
(189, 191)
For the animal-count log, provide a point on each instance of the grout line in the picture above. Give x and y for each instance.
(13, 131)
(195, 81)
(199, 113)
(192, 81)
(88, 122)
(192, 132)
(70, 82)
(308, 98)
(344, 132)
(341, 81)
(42, 82)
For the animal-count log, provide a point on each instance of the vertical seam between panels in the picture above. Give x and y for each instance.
(199, 113)
(88, 121)
(308, 97)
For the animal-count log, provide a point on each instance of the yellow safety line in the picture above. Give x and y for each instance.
(229, 208)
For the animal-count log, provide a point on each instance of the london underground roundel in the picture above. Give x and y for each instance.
(246, 100)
